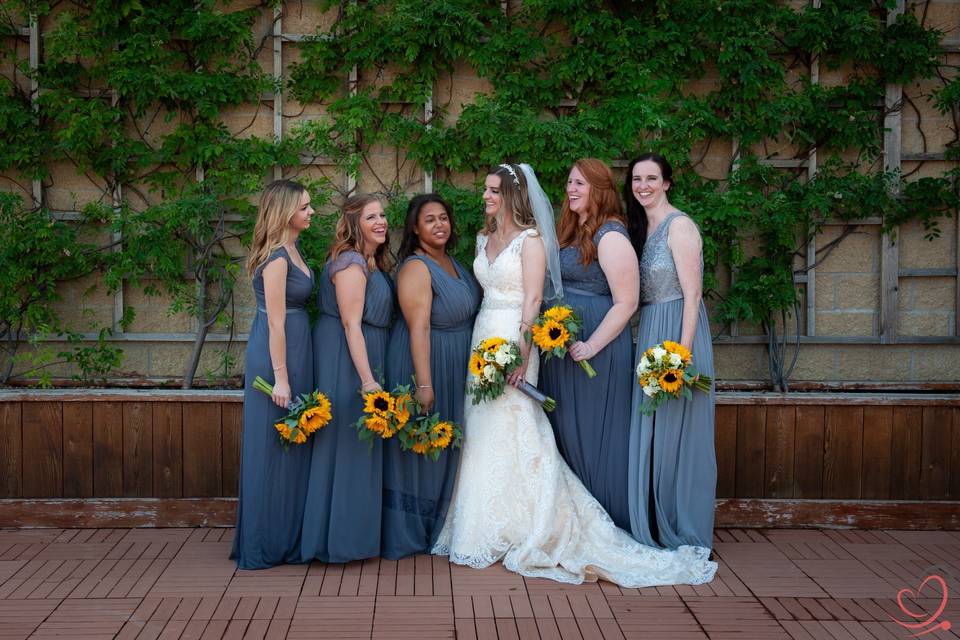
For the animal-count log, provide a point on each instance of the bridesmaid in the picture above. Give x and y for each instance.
(600, 282)
(355, 298)
(431, 341)
(273, 481)
(673, 467)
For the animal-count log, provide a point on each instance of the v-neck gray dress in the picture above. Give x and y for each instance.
(342, 519)
(417, 490)
(273, 481)
(673, 466)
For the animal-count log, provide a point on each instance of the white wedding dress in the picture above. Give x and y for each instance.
(515, 498)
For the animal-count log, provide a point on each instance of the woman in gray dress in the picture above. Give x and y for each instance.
(600, 283)
(673, 467)
(273, 481)
(430, 342)
(342, 519)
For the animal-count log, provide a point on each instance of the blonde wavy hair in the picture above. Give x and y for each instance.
(514, 195)
(348, 236)
(279, 201)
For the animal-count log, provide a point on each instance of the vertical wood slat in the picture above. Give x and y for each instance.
(779, 452)
(232, 432)
(890, 257)
(843, 452)
(725, 436)
(11, 450)
(877, 445)
(936, 430)
(808, 452)
(77, 449)
(42, 424)
(137, 450)
(905, 453)
(108, 449)
(954, 487)
(751, 437)
(167, 450)
(202, 444)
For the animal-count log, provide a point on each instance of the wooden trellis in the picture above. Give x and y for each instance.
(891, 272)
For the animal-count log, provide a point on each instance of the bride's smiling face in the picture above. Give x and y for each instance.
(492, 198)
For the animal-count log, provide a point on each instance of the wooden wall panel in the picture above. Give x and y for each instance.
(877, 445)
(955, 457)
(202, 446)
(905, 453)
(936, 438)
(108, 449)
(232, 433)
(42, 424)
(77, 449)
(843, 452)
(726, 444)
(168, 450)
(808, 452)
(137, 450)
(11, 450)
(779, 465)
(751, 440)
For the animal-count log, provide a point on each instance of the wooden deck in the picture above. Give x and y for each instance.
(179, 583)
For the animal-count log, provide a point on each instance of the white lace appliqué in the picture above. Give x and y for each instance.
(516, 500)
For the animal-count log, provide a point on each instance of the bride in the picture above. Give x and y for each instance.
(515, 499)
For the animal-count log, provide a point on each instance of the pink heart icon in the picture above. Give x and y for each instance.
(924, 618)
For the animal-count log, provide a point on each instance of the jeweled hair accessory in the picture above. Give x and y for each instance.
(513, 173)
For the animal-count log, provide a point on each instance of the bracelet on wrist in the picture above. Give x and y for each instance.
(283, 366)
(424, 386)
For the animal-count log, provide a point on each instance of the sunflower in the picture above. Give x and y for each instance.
(550, 335)
(420, 447)
(377, 424)
(444, 434)
(283, 430)
(679, 349)
(300, 437)
(379, 403)
(491, 344)
(476, 364)
(315, 417)
(401, 409)
(558, 313)
(671, 380)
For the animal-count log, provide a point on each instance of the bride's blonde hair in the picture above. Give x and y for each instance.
(516, 200)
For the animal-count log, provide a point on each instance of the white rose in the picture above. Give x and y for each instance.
(658, 353)
(489, 357)
(643, 367)
(503, 358)
(489, 372)
(675, 360)
(650, 390)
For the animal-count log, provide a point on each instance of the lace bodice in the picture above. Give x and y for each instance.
(658, 273)
(502, 288)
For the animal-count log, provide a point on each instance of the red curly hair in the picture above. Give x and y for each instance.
(603, 204)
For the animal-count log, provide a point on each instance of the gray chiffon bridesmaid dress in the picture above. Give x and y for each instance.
(673, 467)
(342, 519)
(592, 418)
(273, 481)
(417, 490)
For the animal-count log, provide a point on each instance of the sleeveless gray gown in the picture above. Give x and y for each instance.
(673, 467)
(342, 519)
(592, 418)
(416, 490)
(273, 482)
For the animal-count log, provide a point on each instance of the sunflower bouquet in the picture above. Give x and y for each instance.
(429, 436)
(384, 413)
(306, 414)
(664, 371)
(490, 363)
(555, 330)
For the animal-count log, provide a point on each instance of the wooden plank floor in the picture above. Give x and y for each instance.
(164, 584)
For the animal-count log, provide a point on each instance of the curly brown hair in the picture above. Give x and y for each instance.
(603, 205)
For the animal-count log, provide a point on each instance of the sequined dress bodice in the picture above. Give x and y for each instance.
(658, 273)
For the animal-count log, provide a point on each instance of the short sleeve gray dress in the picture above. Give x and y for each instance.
(342, 519)
(417, 490)
(273, 481)
(592, 418)
(673, 466)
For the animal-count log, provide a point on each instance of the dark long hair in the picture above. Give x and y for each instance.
(410, 241)
(636, 215)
